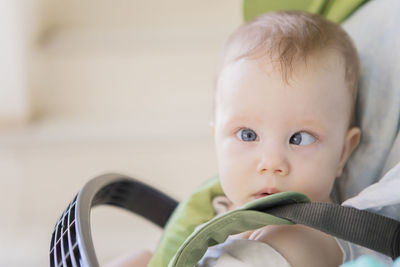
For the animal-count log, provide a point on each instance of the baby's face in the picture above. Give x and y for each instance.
(272, 137)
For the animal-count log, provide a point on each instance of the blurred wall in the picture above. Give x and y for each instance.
(17, 26)
(112, 86)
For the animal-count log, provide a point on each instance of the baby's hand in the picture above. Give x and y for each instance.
(300, 245)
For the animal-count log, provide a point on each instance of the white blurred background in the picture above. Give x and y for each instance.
(95, 86)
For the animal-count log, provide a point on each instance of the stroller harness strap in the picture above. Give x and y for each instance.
(361, 227)
(364, 228)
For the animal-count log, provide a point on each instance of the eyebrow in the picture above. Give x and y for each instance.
(241, 118)
(314, 124)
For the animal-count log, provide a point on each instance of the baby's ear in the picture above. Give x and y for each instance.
(351, 141)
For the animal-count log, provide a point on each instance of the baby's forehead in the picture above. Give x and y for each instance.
(271, 64)
(327, 64)
(256, 82)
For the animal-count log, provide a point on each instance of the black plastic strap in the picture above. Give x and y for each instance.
(367, 229)
(138, 198)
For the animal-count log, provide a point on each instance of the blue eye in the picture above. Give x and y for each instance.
(301, 139)
(247, 135)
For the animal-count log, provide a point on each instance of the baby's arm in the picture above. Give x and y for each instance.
(300, 245)
(138, 259)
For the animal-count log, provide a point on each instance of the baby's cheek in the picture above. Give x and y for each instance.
(323, 178)
(235, 170)
(229, 190)
(320, 190)
(233, 186)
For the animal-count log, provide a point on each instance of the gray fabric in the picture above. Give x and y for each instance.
(375, 31)
(382, 197)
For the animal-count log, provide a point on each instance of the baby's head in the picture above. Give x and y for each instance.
(284, 103)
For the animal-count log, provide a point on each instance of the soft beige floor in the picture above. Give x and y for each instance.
(135, 100)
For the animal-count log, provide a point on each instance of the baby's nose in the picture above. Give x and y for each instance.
(273, 163)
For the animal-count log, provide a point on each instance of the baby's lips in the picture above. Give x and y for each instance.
(272, 190)
(266, 192)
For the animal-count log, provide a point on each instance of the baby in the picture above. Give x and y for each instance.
(284, 104)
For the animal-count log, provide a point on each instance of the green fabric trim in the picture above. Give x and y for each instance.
(253, 8)
(192, 212)
(339, 10)
(334, 10)
(240, 220)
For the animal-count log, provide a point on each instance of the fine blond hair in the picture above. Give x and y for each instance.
(288, 37)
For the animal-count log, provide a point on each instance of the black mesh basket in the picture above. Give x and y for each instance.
(71, 242)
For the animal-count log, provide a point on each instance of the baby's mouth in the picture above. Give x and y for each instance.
(266, 192)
